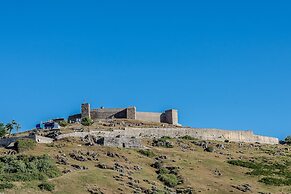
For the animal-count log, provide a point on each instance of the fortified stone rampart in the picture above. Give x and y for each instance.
(108, 113)
(169, 116)
(149, 116)
(204, 134)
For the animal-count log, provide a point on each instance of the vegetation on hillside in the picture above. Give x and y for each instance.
(87, 121)
(273, 174)
(288, 140)
(24, 144)
(27, 168)
(6, 129)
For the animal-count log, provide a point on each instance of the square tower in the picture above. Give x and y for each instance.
(86, 110)
(171, 116)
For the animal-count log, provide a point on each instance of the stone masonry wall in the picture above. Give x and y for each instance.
(204, 134)
(148, 116)
(108, 113)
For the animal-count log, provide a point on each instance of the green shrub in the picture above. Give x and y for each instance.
(162, 142)
(163, 171)
(46, 186)
(165, 138)
(246, 164)
(169, 180)
(288, 140)
(280, 171)
(27, 168)
(63, 123)
(210, 149)
(157, 165)
(86, 121)
(6, 185)
(188, 137)
(147, 153)
(3, 130)
(24, 144)
(275, 181)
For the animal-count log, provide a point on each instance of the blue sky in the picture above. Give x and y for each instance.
(222, 64)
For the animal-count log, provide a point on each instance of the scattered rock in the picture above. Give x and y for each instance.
(104, 166)
(185, 190)
(62, 160)
(77, 156)
(78, 167)
(94, 189)
(243, 188)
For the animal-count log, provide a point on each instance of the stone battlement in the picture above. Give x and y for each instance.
(169, 116)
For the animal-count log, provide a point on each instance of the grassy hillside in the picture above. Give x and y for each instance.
(180, 165)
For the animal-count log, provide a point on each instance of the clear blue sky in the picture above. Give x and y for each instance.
(222, 64)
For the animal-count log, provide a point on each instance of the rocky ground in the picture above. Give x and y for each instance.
(167, 166)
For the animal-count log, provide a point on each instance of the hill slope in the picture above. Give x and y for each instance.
(180, 165)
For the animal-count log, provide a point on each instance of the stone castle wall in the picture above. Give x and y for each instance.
(204, 134)
(108, 113)
(169, 116)
(149, 116)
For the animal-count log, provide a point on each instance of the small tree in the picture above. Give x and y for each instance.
(12, 125)
(288, 140)
(87, 122)
(3, 131)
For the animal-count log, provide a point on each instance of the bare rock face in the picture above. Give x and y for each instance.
(94, 189)
(62, 160)
(89, 140)
(77, 156)
(78, 167)
(243, 188)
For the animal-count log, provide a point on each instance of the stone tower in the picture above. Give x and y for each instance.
(86, 110)
(172, 116)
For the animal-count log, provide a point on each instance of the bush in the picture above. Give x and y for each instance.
(165, 138)
(163, 171)
(280, 171)
(6, 185)
(46, 186)
(288, 140)
(147, 153)
(86, 121)
(209, 149)
(27, 168)
(169, 180)
(241, 163)
(22, 145)
(3, 130)
(157, 165)
(63, 123)
(162, 142)
(275, 181)
(188, 137)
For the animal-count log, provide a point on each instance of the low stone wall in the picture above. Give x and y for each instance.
(122, 142)
(41, 139)
(7, 141)
(204, 134)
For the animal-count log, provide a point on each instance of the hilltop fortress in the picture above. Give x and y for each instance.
(125, 127)
(169, 116)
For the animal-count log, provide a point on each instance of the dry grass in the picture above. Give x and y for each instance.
(196, 167)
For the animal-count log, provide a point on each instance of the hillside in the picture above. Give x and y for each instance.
(164, 166)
